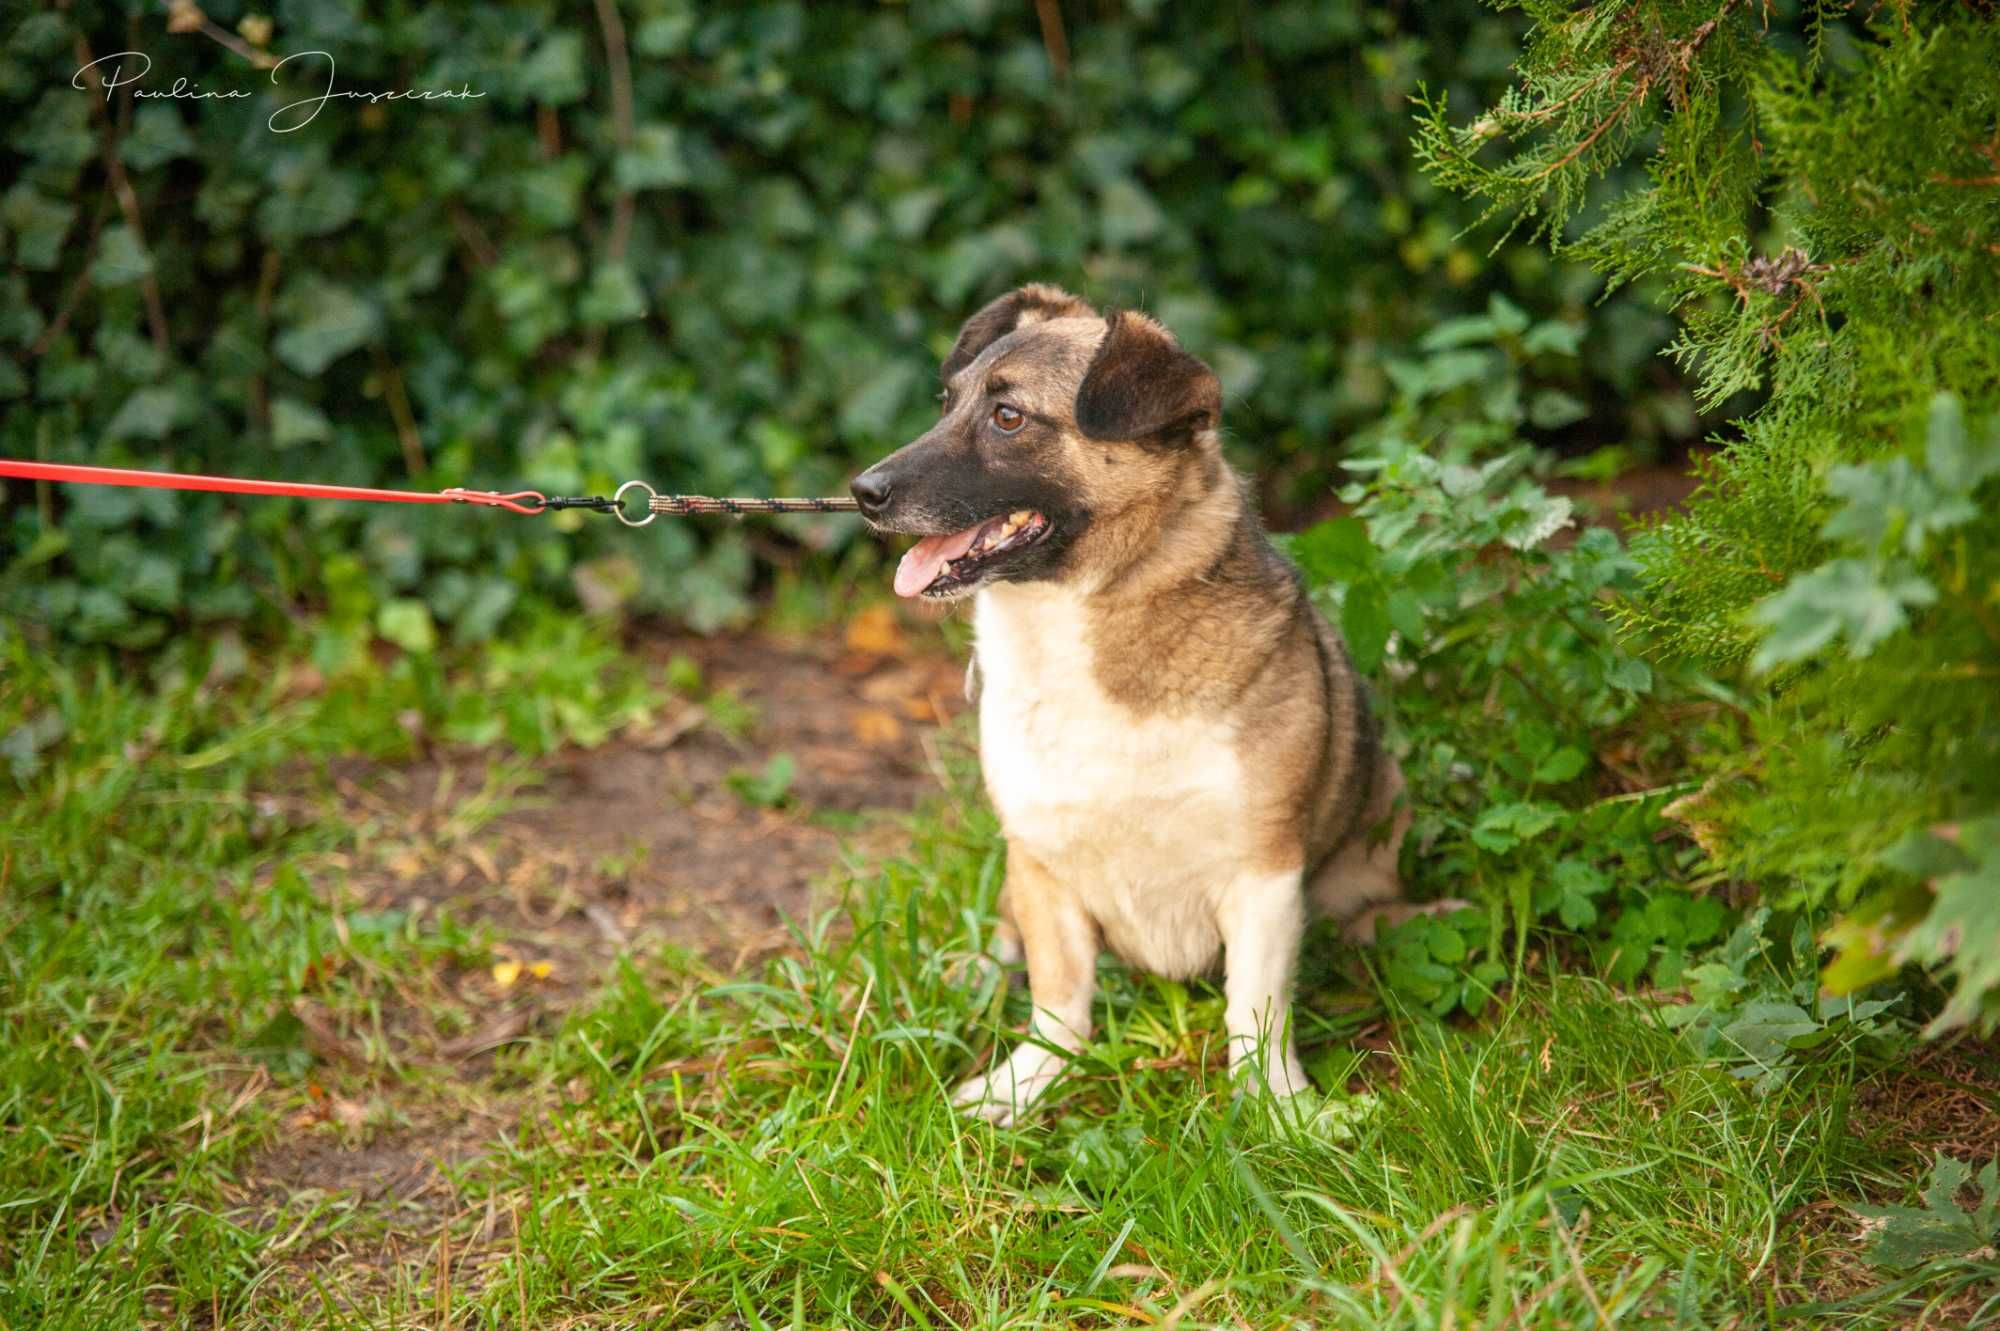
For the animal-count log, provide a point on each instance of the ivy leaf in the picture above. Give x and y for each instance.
(873, 408)
(613, 296)
(1127, 214)
(157, 136)
(39, 224)
(654, 161)
(120, 257)
(294, 422)
(325, 323)
(1863, 600)
(150, 413)
(553, 72)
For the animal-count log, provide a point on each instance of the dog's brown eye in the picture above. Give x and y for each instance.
(1008, 419)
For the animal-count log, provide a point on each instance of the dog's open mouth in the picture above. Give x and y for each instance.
(942, 565)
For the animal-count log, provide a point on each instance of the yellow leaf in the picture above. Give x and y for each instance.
(874, 630)
(872, 725)
(505, 973)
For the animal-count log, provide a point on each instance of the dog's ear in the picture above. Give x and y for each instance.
(1026, 305)
(1141, 386)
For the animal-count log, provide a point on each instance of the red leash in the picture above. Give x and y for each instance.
(530, 502)
(169, 480)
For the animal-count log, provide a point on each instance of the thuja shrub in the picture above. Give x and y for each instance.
(1821, 204)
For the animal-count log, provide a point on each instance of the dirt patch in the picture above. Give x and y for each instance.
(1943, 1098)
(707, 831)
(684, 834)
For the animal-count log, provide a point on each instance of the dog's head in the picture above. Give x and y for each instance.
(1057, 424)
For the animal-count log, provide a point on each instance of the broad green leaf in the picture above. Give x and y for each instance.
(1364, 622)
(295, 422)
(121, 259)
(1335, 551)
(407, 623)
(39, 224)
(149, 413)
(653, 161)
(157, 136)
(1962, 930)
(1863, 601)
(324, 322)
(1908, 1236)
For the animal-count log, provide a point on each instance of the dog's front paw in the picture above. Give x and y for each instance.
(1004, 1095)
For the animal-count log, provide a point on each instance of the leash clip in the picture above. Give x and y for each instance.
(617, 509)
(595, 503)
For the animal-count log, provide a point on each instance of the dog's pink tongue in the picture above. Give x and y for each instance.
(927, 558)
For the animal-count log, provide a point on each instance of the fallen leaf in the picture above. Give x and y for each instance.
(874, 630)
(872, 725)
(506, 974)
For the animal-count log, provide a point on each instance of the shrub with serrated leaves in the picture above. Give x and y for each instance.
(1540, 749)
(1823, 203)
(720, 248)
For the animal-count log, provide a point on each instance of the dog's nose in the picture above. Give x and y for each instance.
(871, 491)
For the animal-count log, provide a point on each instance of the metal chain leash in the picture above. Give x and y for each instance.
(693, 505)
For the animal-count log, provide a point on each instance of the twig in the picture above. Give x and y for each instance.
(399, 411)
(186, 16)
(1054, 40)
(1541, 113)
(76, 288)
(620, 60)
(128, 200)
(469, 231)
(267, 283)
(1639, 90)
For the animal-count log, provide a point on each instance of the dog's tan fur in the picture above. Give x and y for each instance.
(1181, 756)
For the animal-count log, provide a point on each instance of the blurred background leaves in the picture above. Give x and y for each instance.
(718, 248)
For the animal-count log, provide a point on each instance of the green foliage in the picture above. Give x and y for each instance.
(1758, 1007)
(745, 287)
(1536, 744)
(769, 788)
(1821, 204)
(1907, 1236)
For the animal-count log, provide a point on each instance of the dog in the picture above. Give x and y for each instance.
(1183, 760)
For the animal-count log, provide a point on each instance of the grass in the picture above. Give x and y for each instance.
(774, 1149)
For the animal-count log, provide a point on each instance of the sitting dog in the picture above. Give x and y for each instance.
(1181, 756)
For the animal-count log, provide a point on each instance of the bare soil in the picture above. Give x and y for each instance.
(656, 839)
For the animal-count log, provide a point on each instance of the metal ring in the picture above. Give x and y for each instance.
(618, 498)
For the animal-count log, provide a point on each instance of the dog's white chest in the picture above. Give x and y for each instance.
(1144, 815)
